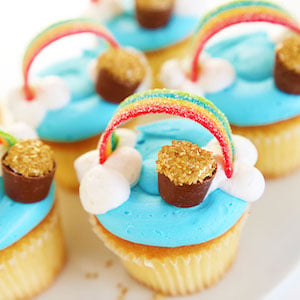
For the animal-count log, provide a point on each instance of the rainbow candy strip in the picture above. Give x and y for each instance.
(173, 103)
(7, 140)
(236, 12)
(56, 32)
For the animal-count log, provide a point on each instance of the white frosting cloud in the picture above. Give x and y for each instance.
(103, 189)
(50, 93)
(278, 34)
(125, 161)
(103, 10)
(216, 75)
(128, 162)
(126, 137)
(145, 85)
(86, 162)
(244, 150)
(247, 183)
(21, 131)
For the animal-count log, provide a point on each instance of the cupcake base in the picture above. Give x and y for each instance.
(277, 144)
(157, 58)
(65, 155)
(31, 265)
(180, 270)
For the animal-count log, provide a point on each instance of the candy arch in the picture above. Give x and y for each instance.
(158, 102)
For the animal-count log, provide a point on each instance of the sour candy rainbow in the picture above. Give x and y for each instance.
(173, 103)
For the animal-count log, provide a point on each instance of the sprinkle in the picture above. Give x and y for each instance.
(55, 32)
(30, 158)
(236, 12)
(91, 275)
(109, 263)
(123, 291)
(124, 65)
(178, 104)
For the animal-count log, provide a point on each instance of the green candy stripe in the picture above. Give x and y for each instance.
(114, 141)
(10, 139)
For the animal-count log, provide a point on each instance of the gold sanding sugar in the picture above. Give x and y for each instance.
(185, 163)
(289, 53)
(123, 65)
(155, 4)
(30, 158)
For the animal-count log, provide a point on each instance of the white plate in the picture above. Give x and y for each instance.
(269, 251)
(270, 246)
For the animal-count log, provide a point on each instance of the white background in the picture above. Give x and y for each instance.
(268, 264)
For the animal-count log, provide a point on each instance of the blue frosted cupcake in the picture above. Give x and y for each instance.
(32, 251)
(172, 202)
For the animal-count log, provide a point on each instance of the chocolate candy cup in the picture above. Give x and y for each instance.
(112, 89)
(153, 18)
(183, 195)
(286, 80)
(26, 189)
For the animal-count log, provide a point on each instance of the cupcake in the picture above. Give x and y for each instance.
(171, 205)
(159, 28)
(258, 78)
(32, 251)
(72, 101)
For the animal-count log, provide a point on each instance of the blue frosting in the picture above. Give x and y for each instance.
(128, 32)
(86, 114)
(146, 219)
(18, 219)
(253, 99)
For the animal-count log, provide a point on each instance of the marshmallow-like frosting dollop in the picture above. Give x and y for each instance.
(102, 189)
(216, 74)
(21, 131)
(103, 10)
(123, 168)
(50, 93)
(247, 183)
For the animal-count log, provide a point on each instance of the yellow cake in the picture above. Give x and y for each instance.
(30, 265)
(180, 270)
